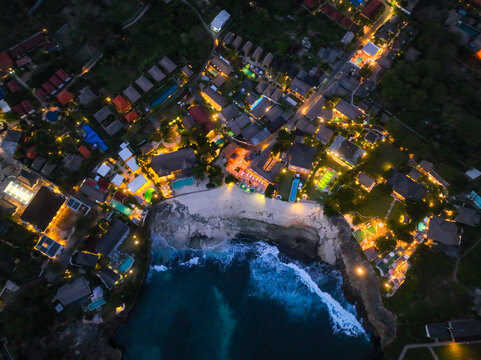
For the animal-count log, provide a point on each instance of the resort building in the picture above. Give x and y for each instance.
(167, 64)
(405, 188)
(443, 231)
(213, 98)
(299, 88)
(219, 21)
(366, 181)
(173, 164)
(324, 134)
(75, 293)
(219, 66)
(116, 234)
(301, 158)
(345, 152)
(42, 209)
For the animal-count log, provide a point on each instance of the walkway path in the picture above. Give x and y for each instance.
(433, 344)
(390, 208)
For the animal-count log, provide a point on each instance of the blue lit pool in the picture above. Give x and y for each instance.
(121, 208)
(165, 95)
(96, 304)
(471, 31)
(179, 184)
(256, 103)
(293, 193)
(126, 265)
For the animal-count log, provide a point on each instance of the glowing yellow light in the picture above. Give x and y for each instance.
(360, 270)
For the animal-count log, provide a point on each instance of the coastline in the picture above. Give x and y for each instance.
(300, 230)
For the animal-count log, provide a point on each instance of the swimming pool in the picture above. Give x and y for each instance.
(246, 70)
(121, 208)
(421, 226)
(256, 103)
(52, 116)
(96, 304)
(179, 184)
(471, 31)
(165, 95)
(126, 265)
(246, 188)
(475, 198)
(293, 193)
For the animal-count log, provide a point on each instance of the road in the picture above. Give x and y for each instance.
(336, 73)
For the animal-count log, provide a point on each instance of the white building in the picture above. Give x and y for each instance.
(219, 21)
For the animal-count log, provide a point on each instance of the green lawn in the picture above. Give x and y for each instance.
(375, 203)
(386, 156)
(284, 186)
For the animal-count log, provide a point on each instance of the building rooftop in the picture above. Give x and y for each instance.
(365, 180)
(109, 277)
(229, 112)
(215, 97)
(221, 65)
(156, 74)
(137, 183)
(167, 64)
(406, 187)
(92, 190)
(102, 114)
(144, 83)
(348, 110)
(179, 160)
(71, 293)
(86, 95)
(299, 87)
(302, 156)
(120, 103)
(346, 150)
(115, 235)
(443, 231)
(86, 259)
(324, 134)
(48, 246)
(467, 216)
(42, 208)
(132, 94)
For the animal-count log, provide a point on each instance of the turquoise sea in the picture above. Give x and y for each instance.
(241, 301)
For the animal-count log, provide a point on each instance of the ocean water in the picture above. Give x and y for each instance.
(241, 301)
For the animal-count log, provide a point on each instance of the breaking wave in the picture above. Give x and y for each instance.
(272, 275)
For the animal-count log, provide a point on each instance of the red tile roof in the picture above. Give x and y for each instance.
(30, 153)
(120, 196)
(64, 97)
(13, 86)
(55, 81)
(5, 60)
(84, 151)
(19, 109)
(198, 115)
(336, 15)
(371, 9)
(40, 93)
(62, 75)
(327, 9)
(27, 45)
(209, 126)
(24, 60)
(103, 183)
(311, 4)
(346, 22)
(27, 106)
(120, 103)
(131, 116)
(48, 87)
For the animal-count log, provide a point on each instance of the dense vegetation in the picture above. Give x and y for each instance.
(439, 97)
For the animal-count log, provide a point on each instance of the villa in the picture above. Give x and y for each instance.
(174, 163)
(116, 234)
(42, 209)
(405, 188)
(345, 151)
(443, 231)
(301, 158)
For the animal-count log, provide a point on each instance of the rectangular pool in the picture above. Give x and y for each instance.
(179, 184)
(121, 208)
(96, 304)
(126, 264)
(293, 193)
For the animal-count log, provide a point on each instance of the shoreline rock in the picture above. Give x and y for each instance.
(298, 238)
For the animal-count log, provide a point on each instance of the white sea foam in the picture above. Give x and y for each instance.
(287, 283)
(159, 268)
